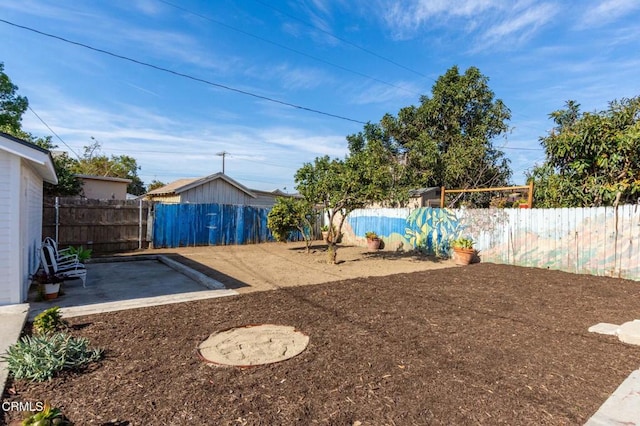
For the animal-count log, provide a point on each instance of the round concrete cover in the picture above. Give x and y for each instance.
(253, 345)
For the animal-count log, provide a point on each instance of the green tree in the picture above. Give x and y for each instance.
(12, 106)
(290, 214)
(448, 140)
(341, 186)
(592, 159)
(94, 163)
(155, 184)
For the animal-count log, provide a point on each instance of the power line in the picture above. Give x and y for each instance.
(282, 46)
(364, 49)
(51, 130)
(179, 74)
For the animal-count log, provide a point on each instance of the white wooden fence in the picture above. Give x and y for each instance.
(599, 241)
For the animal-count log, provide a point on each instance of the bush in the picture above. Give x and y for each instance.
(39, 358)
(49, 321)
(48, 416)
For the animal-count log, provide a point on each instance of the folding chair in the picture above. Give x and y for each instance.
(63, 254)
(70, 268)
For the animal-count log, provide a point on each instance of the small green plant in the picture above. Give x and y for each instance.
(39, 358)
(49, 416)
(463, 243)
(42, 277)
(82, 253)
(324, 228)
(370, 235)
(49, 321)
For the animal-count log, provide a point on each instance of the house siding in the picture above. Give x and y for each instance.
(95, 189)
(215, 192)
(9, 232)
(32, 199)
(167, 199)
(263, 200)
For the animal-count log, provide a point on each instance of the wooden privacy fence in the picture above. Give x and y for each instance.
(599, 241)
(179, 225)
(105, 226)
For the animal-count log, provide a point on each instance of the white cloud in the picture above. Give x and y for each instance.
(406, 18)
(378, 93)
(520, 24)
(292, 77)
(489, 21)
(607, 11)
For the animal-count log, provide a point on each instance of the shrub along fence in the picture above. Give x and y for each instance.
(599, 241)
(105, 226)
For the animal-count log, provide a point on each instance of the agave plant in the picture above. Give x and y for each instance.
(39, 358)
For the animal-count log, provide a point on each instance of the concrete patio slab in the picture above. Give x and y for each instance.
(130, 284)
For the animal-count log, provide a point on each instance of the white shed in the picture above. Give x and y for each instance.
(23, 169)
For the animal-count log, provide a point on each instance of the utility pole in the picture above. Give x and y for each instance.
(222, 154)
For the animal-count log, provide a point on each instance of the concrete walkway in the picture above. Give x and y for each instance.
(121, 283)
(12, 319)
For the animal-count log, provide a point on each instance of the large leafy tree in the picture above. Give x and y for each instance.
(12, 106)
(592, 159)
(448, 140)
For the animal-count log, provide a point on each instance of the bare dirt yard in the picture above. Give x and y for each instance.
(259, 267)
(480, 344)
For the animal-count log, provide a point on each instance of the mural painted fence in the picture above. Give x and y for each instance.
(599, 241)
(180, 225)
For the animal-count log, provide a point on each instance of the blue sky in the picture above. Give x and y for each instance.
(355, 59)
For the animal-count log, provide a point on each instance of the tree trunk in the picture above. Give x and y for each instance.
(332, 253)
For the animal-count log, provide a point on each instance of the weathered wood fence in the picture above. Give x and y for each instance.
(105, 226)
(599, 241)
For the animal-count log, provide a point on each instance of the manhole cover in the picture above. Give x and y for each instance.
(253, 345)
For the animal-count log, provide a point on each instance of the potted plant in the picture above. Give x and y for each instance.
(463, 250)
(82, 253)
(325, 234)
(373, 241)
(49, 284)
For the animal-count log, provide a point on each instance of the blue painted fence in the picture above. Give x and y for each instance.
(180, 225)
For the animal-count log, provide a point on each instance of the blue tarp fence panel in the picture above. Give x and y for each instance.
(181, 225)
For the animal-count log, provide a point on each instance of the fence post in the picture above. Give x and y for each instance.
(442, 197)
(140, 225)
(57, 209)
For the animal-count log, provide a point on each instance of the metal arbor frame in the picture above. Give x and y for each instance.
(501, 188)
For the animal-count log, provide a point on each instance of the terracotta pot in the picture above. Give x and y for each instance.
(463, 256)
(373, 244)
